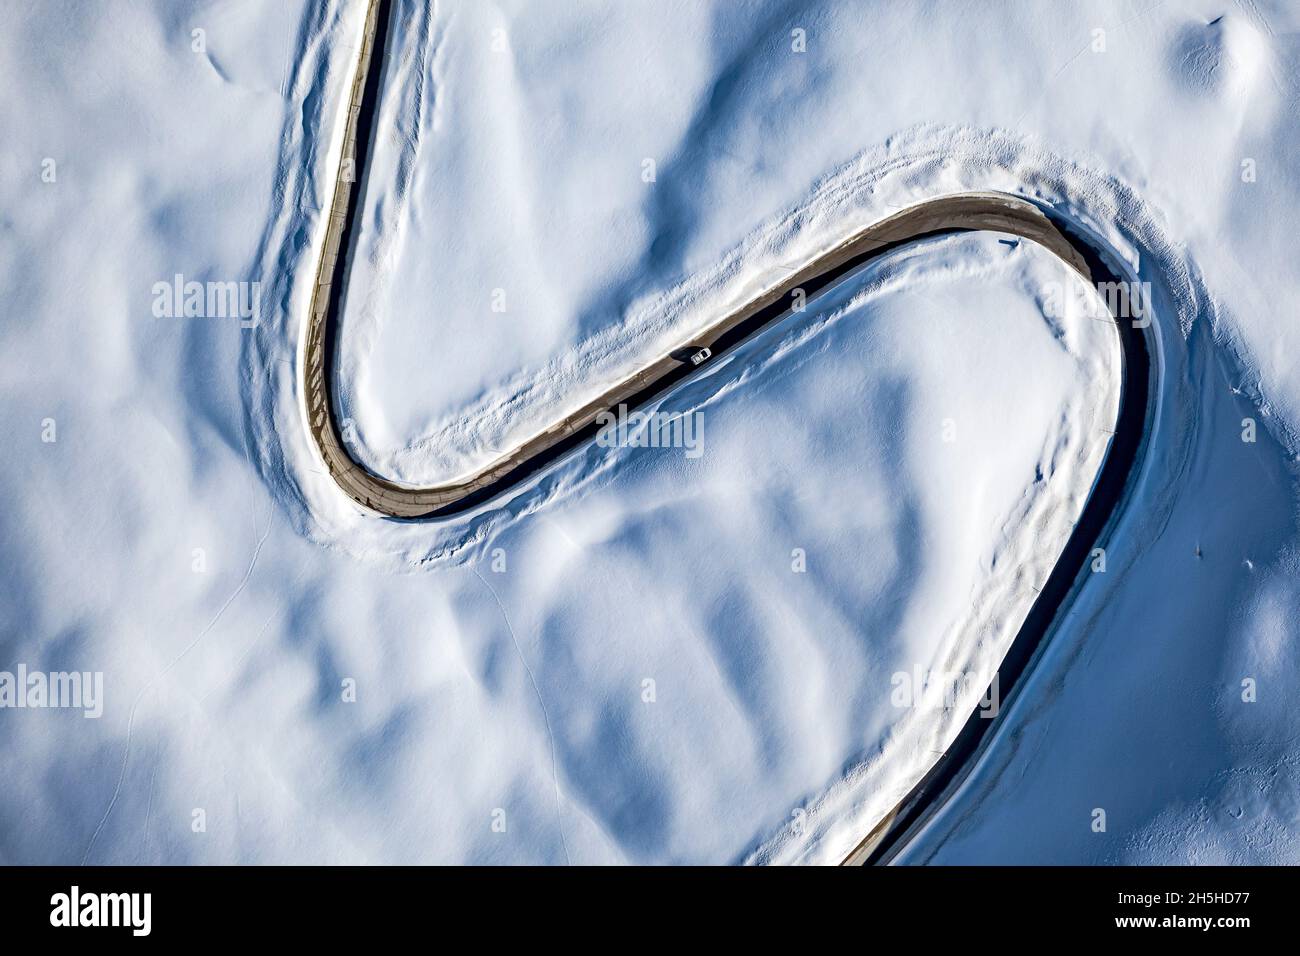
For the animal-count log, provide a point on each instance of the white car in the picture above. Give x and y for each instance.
(701, 356)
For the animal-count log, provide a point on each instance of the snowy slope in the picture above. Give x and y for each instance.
(181, 536)
(510, 171)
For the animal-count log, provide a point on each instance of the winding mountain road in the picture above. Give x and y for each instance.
(942, 215)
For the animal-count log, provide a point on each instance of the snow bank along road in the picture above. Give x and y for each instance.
(947, 214)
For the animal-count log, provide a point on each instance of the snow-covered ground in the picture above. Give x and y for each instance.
(623, 661)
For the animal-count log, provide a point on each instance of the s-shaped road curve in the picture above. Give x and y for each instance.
(964, 212)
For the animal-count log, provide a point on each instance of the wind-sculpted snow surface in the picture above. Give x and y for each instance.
(920, 163)
(639, 655)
